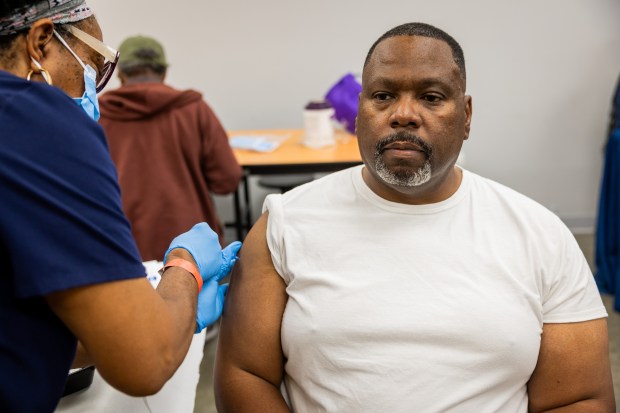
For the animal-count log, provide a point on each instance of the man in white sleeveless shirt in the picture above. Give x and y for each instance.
(409, 284)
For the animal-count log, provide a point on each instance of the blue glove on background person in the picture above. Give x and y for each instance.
(204, 246)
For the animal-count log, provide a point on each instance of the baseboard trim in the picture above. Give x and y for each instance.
(580, 224)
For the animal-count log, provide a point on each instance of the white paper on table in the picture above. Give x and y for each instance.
(258, 143)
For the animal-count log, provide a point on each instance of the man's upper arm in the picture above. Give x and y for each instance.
(573, 369)
(249, 361)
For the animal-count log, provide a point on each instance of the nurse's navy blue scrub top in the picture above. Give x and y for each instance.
(61, 226)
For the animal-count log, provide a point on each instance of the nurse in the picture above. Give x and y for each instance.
(70, 268)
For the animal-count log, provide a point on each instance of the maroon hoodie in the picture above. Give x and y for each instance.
(171, 152)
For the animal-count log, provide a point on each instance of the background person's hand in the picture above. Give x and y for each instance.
(203, 245)
(210, 304)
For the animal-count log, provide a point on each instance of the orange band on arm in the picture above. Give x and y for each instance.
(186, 265)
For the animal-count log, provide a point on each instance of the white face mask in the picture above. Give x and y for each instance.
(89, 102)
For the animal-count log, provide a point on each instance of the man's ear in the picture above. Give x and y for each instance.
(359, 98)
(39, 35)
(468, 112)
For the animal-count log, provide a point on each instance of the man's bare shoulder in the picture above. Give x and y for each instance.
(254, 256)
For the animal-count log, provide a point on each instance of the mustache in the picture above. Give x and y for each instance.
(404, 137)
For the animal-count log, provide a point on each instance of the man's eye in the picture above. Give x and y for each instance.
(432, 98)
(381, 96)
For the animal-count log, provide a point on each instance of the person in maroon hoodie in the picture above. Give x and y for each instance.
(169, 147)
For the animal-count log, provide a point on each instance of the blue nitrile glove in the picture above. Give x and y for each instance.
(210, 304)
(203, 244)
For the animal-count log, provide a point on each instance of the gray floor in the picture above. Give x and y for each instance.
(204, 395)
(205, 402)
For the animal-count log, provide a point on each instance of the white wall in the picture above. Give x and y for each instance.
(541, 73)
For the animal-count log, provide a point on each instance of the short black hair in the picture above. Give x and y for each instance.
(423, 30)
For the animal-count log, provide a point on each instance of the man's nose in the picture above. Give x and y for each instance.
(406, 113)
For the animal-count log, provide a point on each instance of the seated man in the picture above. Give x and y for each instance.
(408, 283)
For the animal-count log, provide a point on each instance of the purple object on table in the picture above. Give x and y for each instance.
(344, 97)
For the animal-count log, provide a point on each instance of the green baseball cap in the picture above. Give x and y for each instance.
(141, 50)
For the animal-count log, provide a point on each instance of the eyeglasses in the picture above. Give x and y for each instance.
(109, 54)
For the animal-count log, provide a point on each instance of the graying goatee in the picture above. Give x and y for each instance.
(403, 177)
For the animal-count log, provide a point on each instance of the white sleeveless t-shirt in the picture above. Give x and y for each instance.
(420, 308)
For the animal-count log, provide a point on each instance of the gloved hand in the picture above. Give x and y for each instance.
(203, 244)
(210, 304)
